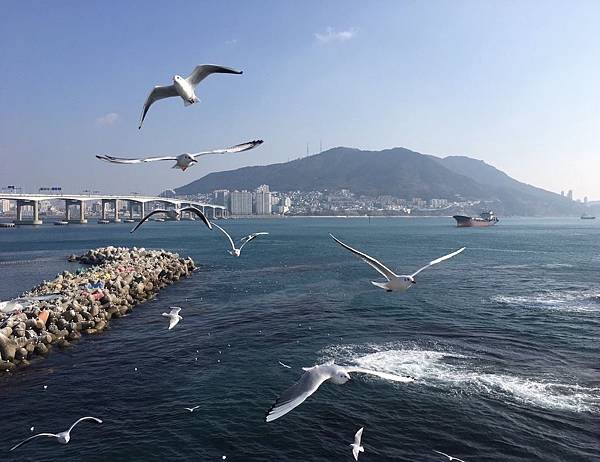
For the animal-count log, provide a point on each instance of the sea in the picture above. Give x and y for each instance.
(503, 341)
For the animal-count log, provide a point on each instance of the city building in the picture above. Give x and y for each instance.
(221, 197)
(570, 194)
(263, 200)
(438, 203)
(240, 203)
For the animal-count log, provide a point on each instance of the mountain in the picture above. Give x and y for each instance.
(397, 172)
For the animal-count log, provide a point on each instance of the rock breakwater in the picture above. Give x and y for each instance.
(115, 280)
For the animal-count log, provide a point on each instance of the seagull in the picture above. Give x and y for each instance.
(174, 315)
(184, 87)
(192, 409)
(450, 458)
(185, 160)
(312, 379)
(356, 447)
(395, 282)
(173, 213)
(284, 365)
(62, 437)
(235, 251)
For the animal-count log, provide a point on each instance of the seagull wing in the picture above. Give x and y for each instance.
(204, 70)
(199, 213)
(310, 381)
(156, 94)
(226, 234)
(383, 375)
(95, 419)
(439, 260)
(384, 270)
(143, 220)
(443, 454)
(174, 310)
(232, 149)
(30, 438)
(128, 160)
(173, 321)
(247, 239)
(358, 436)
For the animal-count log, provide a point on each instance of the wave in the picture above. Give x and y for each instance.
(576, 301)
(456, 373)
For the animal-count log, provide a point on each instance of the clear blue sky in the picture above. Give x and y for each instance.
(515, 83)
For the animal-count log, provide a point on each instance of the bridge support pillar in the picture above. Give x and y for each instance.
(116, 219)
(81, 204)
(35, 219)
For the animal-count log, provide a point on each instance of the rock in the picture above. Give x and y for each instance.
(21, 353)
(41, 349)
(8, 348)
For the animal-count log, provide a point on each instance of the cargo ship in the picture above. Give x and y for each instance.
(484, 219)
(585, 216)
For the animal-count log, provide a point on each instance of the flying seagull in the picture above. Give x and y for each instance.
(450, 458)
(183, 161)
(184, 87)
(62, 437)
(312, 379)
(174, 316)
(234, 250)
(395, 282)
(356, 447)
(172, 213)
(192, 409)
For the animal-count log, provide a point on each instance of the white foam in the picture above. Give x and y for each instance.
(575, 301)
(457, 373)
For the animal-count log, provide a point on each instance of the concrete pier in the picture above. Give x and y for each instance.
(35, 218)
(81, 205)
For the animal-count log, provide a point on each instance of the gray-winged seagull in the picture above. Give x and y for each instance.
(183, 161)
(395, 282)
(184, 87)
(62, 437)
(312, 379)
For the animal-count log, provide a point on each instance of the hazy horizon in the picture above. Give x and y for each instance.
(510, 83)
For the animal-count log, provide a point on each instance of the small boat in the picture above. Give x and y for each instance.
(7, 225)
(129, 220)
(484, 219)
(585, 216)
(61, 223)
(103, 222)
(158, 219)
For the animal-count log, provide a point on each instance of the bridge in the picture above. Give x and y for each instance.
(113, 201)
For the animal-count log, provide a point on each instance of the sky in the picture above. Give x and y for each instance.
(515, 83)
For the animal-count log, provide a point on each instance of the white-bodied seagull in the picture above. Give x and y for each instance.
(235, 251)
(183, 161)
(312, 379)
(395, 282)
(184, 87)
(173, 316)
(62, 437)
(356, 446)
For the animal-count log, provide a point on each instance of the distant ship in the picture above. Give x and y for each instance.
(484, 219)
(585, 216)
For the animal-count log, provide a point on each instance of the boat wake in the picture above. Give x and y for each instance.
(575, 301)
(455, 373)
